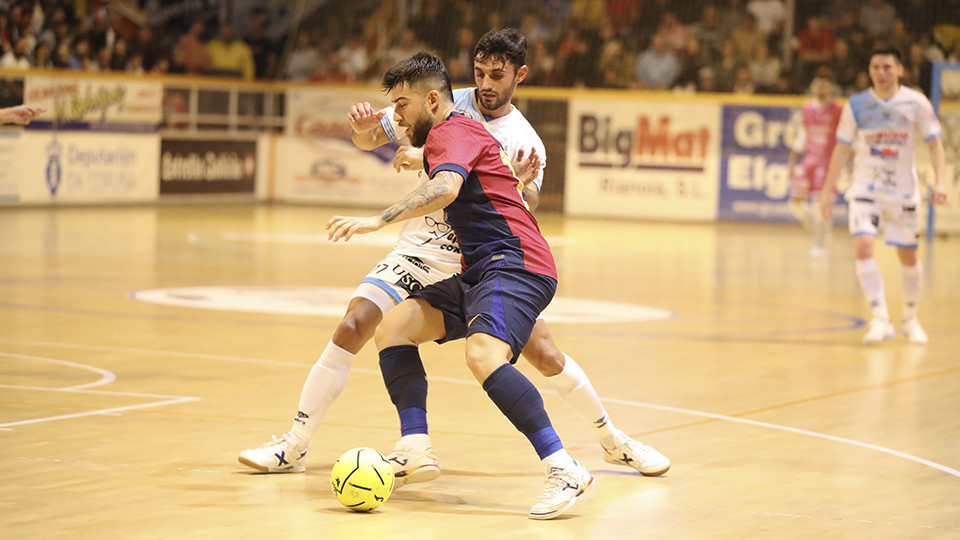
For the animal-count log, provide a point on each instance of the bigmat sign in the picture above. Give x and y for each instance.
(642, 159)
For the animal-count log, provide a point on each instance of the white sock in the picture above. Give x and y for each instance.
(801, 211)
(575, 389)
(821, 227)
(323, 386)
(417, 441)
(912, 277)
(871, 282)
(560, 458)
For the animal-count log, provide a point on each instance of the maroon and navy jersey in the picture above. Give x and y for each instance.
(492, 222)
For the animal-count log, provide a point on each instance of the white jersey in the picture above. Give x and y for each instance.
(882, 133)
(429, 237)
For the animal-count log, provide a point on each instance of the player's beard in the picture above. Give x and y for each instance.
(492, 102)
(419, 131)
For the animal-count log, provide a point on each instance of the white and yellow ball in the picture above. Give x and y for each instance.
(362, 479)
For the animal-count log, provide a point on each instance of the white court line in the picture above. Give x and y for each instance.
(106, 377)
(895, 453)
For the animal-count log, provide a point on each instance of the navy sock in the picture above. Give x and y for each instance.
(413, 420)
(406, 383)
(520, 402)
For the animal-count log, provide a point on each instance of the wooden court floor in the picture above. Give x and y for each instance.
(721, 345)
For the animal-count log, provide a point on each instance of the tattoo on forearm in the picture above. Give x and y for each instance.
(426, 194)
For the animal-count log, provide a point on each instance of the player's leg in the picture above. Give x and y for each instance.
(411, 323)
(864, 220)
(820, 226)
(573, 386)
(903, 231)
(799, 193)
(502, 310)
(324, 383)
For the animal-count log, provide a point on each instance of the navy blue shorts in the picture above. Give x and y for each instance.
(505, 304)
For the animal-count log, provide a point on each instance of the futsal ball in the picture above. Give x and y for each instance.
(362, 479)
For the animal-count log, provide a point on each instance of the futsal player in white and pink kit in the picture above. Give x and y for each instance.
(878, 127)
(818, 121)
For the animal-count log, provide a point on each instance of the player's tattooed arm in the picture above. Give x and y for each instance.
(434, 194)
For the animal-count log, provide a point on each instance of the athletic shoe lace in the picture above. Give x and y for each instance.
(557, 481)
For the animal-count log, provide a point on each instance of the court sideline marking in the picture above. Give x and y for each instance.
(181, 399)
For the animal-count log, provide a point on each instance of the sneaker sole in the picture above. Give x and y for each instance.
(425, 473)
(645, 473)
(884, 338)
(558, 512)
(254, 465)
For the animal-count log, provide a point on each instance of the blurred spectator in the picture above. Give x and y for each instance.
(860, 83)
(80, 56)
(333, 71)
(860, 47)
(17, 57)
(146, 47)
(899, 39)
(616, 66)
(746, 38)
(61, 56)
(764, 69)
(658, 66)
(104, 58)
(744, 81)
(407, 47)
(41, 57)
(954, 55)
(229, 56)
(459, 73)
(725, 70)
(121, 56)
(841, 17)
(101, 34)
(843, 65)
(588, 14)
(355, 59)
(769, 15)
(625, 14)
(931, 50)
(877, 17)
(731, 14)
(691, 60)
(303, 59)
(917, 69)
(815, 49)
(135, 65)
(674, 32)
(263, 49)
(920, 16)
(433, 27)
(191, 51)
(572, 62)
(707, 80)
(710, 34)
(533, 28)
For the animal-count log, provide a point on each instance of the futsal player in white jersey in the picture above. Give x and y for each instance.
(878, 127)
(426, 252)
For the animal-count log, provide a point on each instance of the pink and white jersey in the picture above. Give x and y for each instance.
(882, 133)
(818, 132)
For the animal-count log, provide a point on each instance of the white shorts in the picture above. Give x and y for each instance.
(398, 275)
(899, 222)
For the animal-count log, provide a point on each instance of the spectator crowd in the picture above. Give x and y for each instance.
(739, 46)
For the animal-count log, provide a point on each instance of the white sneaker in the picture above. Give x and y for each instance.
(561, 490)
(277, 456)
(879, 330)
(816, 252)
(642, 457)
(411, 466)
(914, 332)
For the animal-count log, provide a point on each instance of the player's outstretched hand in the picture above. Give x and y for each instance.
(938, 195)
(21, 114)
(527, 170)
(346, 226)
(408, 158)
(363, 118)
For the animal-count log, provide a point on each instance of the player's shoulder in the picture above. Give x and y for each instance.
(909, 94)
